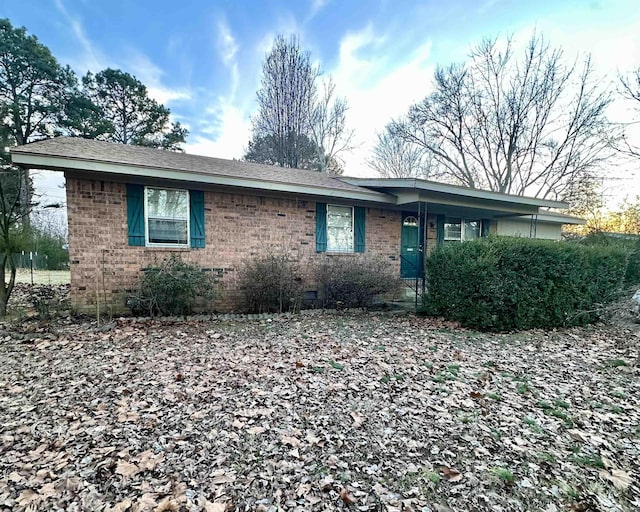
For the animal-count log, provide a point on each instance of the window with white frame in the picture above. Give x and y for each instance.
(166, 216)
(339, 228)
(459, 230)
(452, 230)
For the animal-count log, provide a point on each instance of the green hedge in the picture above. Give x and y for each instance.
(628, 243)
(516, 283)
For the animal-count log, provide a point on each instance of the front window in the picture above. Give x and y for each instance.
(167, 216)
(339, 228)
(459, 230)
(452, 230)
(471, 229)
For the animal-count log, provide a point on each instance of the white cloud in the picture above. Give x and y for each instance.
(376, 90)
(226, 136)
(92, 59)
(228, 50)
(287, 25)
(151, 75)
(317, 6)
(89, 58)
(227, 45)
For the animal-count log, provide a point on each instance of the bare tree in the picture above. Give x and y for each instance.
(13, 213)
(631, 85)
(297, 125)
(396, 157)
(522, 126)
(328, 129)
(285, 99)
(630, 90)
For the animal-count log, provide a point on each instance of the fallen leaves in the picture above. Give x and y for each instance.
(620, 479)
(450, 475)
(127, 469)
(218, 506)
(346, 497)
(358, 419)
(399, 415)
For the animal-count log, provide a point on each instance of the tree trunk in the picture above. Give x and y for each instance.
(6, 288)
(3, 288)
(25, 200)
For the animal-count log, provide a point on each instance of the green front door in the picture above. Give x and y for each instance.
(410, 258)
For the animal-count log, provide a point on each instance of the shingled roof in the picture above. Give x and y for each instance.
(136, 156)
(91, 158)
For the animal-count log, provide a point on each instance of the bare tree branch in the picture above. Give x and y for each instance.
(298, 125)
(529, 125)
(285, 97)
(630, 90)
(395, 157)
(328, 128)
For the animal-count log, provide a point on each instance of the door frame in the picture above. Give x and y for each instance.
(420, 247)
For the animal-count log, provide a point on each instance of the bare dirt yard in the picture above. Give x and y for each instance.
(317, 412)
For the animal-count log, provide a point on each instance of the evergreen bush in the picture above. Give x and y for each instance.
(174, 287)
(628, 243)
(504, 284)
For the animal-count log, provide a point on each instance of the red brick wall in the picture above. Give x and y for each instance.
(432, 233)
(238, 226)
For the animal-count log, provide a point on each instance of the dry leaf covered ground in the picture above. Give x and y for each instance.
(317, 412)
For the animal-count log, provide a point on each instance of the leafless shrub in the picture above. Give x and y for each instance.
(271, 283)
(353, 281)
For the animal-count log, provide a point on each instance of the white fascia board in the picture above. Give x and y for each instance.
(433, 186)
(559, 219)
(60, 164)
(505, 207)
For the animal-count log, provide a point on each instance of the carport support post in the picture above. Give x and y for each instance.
(419, 258)
(423, 251)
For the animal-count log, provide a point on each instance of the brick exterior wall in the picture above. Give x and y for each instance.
(104, 267)
(432, 233)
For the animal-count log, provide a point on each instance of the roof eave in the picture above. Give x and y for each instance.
(432, 186)
(58, 163)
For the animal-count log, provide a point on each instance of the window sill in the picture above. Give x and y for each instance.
(167, 248)
(340, 253)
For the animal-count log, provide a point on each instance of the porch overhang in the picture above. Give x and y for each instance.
(442, 198)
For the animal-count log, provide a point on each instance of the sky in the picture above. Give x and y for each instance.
(202, 59)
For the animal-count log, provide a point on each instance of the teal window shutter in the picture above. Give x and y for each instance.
(321, 227)
(135, 213)
(486, 227)
(360, 215)
(439, 230)
(196, 219)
